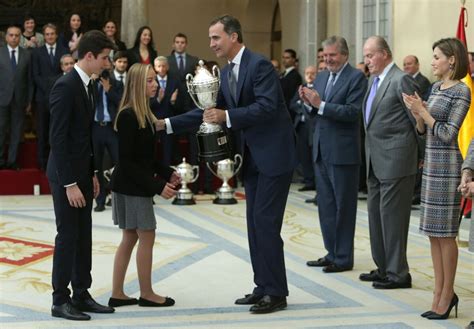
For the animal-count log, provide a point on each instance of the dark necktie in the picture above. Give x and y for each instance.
(370, 98)
(232, 82)
(13, 60)
(181, 63)
(51, 55)
(121, 78)
(99, 107)
(329, 86)
(90, 94)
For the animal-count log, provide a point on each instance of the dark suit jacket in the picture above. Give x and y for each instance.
(137, 166)
(18, 83)
(290, 84)
(70, 135)
(133, 55)
(298, 112)
(114, 95)
(184, 102)
(45, 73)
(424, 84)
(164, 109)
(260, 114)
(336, 137)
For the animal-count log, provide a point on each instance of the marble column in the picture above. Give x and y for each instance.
(133, 17)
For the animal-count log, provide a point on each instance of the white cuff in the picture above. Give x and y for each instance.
(169, 129)
(227, 120)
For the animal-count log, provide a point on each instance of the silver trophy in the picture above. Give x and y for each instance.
(203, 88)
(188, 174)
(225, 171)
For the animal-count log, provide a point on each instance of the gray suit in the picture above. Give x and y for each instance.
(392, 153)
(15, 94)
(469, 161)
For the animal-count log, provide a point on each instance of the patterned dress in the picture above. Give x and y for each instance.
(440, 202)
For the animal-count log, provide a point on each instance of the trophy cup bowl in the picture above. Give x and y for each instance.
(225, 171)
(213, 142)
(188, 174)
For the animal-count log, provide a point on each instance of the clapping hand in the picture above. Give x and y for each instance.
(310, 96)
(415, 104)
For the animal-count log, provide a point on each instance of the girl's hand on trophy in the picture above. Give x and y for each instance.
(214, 116)
(169, 191)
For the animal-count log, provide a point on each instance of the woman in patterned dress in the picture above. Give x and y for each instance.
(439, 120)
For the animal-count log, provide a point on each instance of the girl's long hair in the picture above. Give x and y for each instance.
(135, 97)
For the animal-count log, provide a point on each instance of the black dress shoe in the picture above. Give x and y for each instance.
(333, 268)
(109, 203)
(249, 299)
(269, 304)
(374, 275)
(99, 208)
(68, 311)
(390, 284)
(148, 303)
(117, 302)
(88, 304)
(306, 188)
(320, 262)
(312, 200)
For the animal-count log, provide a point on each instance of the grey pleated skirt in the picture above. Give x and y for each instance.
(133, 212)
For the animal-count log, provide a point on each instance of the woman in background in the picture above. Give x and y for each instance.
(30, 39)
(439, 120)
(143, 50)
(72, 34)
(110, 30)
(133, 185)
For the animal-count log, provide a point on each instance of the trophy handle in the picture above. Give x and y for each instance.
(195, 169)
(210, 168)
(189, 80)
(216, 72)
(238, 156)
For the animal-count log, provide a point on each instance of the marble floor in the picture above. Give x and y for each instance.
(201, 260)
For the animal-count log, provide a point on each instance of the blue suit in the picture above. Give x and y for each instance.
(269, 157)
(336, 151)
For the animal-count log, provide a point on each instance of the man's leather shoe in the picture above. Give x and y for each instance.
(117, 302)
(269, 304)
(306, 188)
(374, 275)
(249, 299)
(333, 268)
(68, 311)
(86, 303)
(99, 208)
(109, 203)
(320, 262)
(390, 284)
(148, 303)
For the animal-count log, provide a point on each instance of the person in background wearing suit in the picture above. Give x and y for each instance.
(133, 186)
(251, 101)
(143, 50)
(290, 79)
(304, 127)
(162, 105)
(16, 93)
(391, 148)
(110, 30)
(108, 92)
(439, 120)
(46, 69)
(72, 180)
(67, 63)
(411, 66)
(336, 102)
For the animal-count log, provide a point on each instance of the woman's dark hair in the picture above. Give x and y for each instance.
(453, 47)
(151, 45)
(67, 30)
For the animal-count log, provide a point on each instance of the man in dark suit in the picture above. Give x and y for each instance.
(71, 177)
(16, 93)
(411, 66)
(304, 127)
(46, 70)
(163, 105)
(336, 103)
(290, 79)
(391, 148)
(253, 101)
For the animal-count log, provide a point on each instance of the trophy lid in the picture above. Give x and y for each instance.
(184, 165)
(203, 76)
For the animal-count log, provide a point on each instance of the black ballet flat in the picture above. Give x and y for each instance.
(148, 303)
(117, 302)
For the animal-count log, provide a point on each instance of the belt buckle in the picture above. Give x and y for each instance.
(103, 123)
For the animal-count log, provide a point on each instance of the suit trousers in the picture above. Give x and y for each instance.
(305, 153)
(389, 207)
(103, 138)
(42, 131)
(266, 201)
(72, 260)
(337, 209)
(11, 116)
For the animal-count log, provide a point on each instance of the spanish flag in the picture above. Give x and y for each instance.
(466, 133)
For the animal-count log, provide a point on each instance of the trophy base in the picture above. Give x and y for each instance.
(224, 201)
(213, 146)
(225, 196)
(183, 202)
(184, 197)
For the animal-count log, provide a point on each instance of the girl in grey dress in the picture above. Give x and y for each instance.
(134, 184)
(440, 120)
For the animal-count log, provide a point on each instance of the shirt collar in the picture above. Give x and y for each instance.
(385, 72)
(288, 70)
(177, 55)
(118, 74)
(415, 75)
(340, 70)
(49, 46)
(238, 58)
(84, 77)
(161, 78)
(10, 49)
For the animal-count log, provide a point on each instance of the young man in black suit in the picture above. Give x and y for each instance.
(290, 78)
(73, 183)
